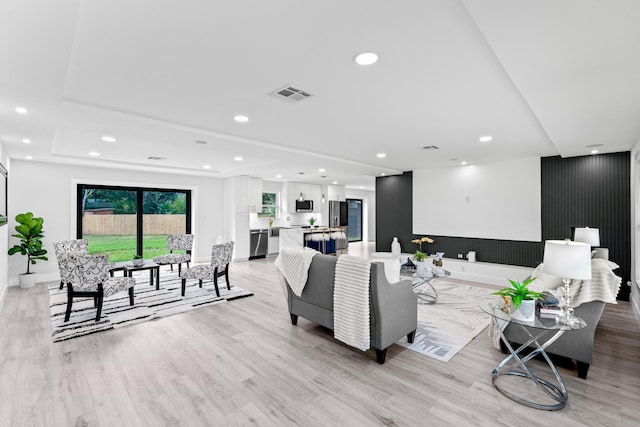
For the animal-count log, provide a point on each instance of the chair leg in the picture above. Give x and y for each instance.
(200, 283)
(226, 276)
(583, 368)
(171, 265)
(411, 336)
(381, 355)
(215, 282)
(184, 285)
(61, 284)
(179, 268)
(69, 302)
(294, 319)
(100, 299)
(95, 302)
(131, 298)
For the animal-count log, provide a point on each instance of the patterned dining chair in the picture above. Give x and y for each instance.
(176, 242)
(74, 246)
(221, 255)
(88, 276)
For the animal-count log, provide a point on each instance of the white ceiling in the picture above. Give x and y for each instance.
(543, 77)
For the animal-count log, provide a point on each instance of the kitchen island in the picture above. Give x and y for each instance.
(325, 240)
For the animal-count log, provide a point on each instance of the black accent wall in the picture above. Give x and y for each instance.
(583, 191)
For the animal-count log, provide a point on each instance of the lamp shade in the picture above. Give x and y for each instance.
(566, 259)
(587, 235)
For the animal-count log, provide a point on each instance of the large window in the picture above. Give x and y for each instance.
(123, 221)
(269, 206)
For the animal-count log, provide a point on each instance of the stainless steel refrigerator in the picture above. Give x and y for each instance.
(338, 214)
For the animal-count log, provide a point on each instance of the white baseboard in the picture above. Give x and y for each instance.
(485, 272)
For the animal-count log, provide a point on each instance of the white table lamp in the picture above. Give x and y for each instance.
(587, 235)
(569, 260)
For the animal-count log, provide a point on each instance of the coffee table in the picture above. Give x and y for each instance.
(420, 283)
(549, 330)
(129, 268)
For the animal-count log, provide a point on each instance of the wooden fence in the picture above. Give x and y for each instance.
(124, 225)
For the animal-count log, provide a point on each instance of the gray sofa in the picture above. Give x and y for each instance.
(393, 306)
(577, 344)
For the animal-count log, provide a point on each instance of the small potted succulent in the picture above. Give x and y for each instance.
(312, 221)
(137, 261)
(522, 298)
(420, 257)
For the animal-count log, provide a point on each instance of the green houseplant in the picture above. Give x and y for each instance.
(519, 292)
(137, 260)
(29, 231)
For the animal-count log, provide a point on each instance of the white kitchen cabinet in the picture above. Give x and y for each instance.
(255, 195)
(247, 194)
(336, 192)
(309, 192)
(274, 245)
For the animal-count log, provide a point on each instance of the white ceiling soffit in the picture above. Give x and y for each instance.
(575, 62)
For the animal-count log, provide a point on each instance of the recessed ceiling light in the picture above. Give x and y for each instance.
(21, 110)
(94, 153)
(594, 151)
(366, 58)
(383, 174)
(206, 166)
(26, 141)
(463, 163)
(108, 139)
(278, 176)
(28, 157)
(238, 158)
(321, 170)
(362, 187)
(381, 155)
(241, 119)
(486, 138)
(334, 182)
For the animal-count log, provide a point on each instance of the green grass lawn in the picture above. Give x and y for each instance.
(123, 248)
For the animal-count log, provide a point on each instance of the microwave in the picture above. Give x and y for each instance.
(304, 206)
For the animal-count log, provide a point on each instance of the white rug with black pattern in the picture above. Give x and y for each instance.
(446, 327)
(149, 304)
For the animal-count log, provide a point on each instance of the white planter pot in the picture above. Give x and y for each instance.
(27, 280)
(420, 268)
(527, 310)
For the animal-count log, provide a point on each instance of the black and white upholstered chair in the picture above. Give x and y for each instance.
(176, 242)
(74, 246)
(88, 276)
(221, 255)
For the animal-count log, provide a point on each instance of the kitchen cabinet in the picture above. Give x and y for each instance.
(247, 193)
(309, 192)
(336, 192)
(274, 245)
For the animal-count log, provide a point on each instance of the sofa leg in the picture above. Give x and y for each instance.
(411, 336)
(583, 368)
(381, 355)
(294, 319)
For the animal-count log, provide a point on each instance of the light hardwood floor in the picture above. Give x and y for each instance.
(243, 363)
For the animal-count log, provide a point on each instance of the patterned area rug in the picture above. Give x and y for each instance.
(149, 304)
(444, 328)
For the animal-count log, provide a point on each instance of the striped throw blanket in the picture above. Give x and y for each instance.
(294, 264)
(351, 302)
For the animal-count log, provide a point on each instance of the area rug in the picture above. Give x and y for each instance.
(444, 328)
(149, 304)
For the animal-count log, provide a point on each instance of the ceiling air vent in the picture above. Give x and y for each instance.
(429, 147)
(291, 94)
(156, 158)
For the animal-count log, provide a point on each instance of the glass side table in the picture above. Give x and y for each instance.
(423, 287)
(548, 329)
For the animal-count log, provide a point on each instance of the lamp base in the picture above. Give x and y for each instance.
(567, 318)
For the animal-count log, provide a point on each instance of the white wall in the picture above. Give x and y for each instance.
(4, 242)
(49, 191)
(500, 200)
(368, 212)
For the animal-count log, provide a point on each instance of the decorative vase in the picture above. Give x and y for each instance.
(526, 310)
(137, 262)
(27, 280)
(420, 268)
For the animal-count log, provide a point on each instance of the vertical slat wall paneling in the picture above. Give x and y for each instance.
(590, 191)
(394, 211)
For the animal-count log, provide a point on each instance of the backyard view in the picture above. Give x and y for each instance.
(110, 219)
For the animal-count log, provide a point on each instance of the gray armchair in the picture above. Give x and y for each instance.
(393, 306)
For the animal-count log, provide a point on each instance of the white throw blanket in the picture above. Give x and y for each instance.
(351, 322)
(293, 265)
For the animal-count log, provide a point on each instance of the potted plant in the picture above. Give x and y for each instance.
(420, 257)
(29, 231)
(312, 221)
(522, 298)
(137, 260)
